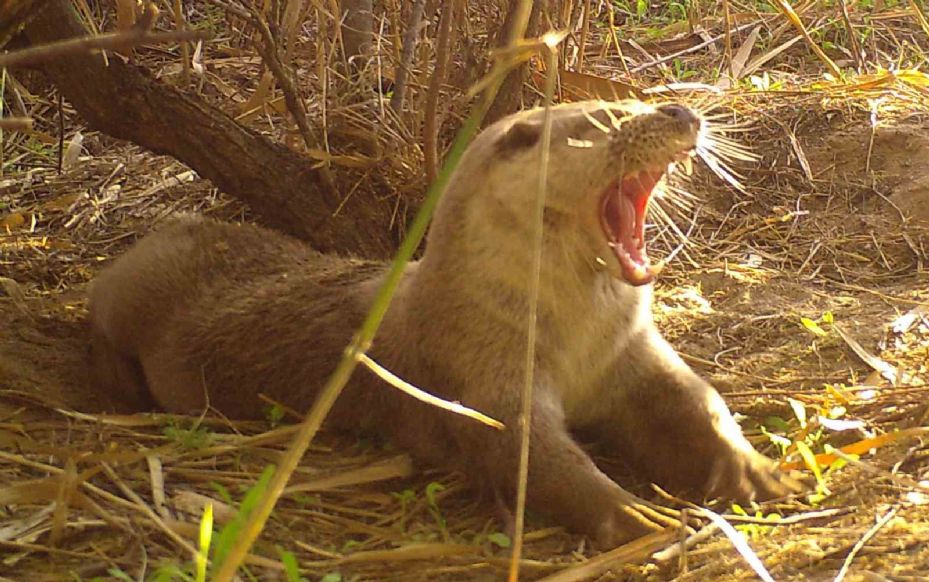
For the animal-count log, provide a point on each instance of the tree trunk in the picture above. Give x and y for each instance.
(278, 184)
(405, 65)
(509, 97)
(357, 32)
(13, 15)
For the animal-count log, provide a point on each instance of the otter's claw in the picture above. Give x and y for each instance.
(632, 517)
(749, 476)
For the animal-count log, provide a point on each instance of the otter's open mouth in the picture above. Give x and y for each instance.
(622, 216)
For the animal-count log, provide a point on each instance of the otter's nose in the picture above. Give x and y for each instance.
(681, 114)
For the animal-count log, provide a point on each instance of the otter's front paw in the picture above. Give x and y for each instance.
(740, 473)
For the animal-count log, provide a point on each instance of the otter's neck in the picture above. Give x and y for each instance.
(481, 273)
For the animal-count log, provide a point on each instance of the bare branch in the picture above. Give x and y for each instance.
(270, 54)
(109, 41)
(406, 61)
(431, 124)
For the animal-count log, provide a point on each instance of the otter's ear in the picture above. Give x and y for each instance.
(519, 136)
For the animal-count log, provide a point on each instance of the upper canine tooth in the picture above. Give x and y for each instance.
(688, 163)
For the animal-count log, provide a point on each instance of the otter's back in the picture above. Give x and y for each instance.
(201, 307)
(167, 270)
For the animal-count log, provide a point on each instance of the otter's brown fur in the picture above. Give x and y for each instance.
(204, 313)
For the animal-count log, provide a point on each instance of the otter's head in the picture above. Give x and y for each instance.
(605, 160)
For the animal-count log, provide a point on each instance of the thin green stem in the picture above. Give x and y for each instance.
(362, 340)
(528, 384)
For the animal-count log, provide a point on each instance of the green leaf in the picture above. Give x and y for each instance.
(206, 534)
(223, 492)
(291, 568)
(230, 532)
(839, 462)
(810, 460)
(813, 327)
(778, 423)
(431, 490)
(500, 540)
(194, 438)
(275, 414)
(255, 493)
(170, 573)
(405, 496)
(348, 545)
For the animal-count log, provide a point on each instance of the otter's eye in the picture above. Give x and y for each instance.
(519, 136)
(681, 114)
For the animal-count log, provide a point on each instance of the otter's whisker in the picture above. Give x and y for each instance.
(680, 197)
(725, 145)
(728, 158)
(721, 170)
(724, 158)
(596, 123)
(707, 107)
(676, 246)
(729, 146)
(730, 128)
(681, 239)
(614, 121)
(668, 221)
(723, 118)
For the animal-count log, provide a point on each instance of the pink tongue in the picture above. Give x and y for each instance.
(627, 216)
(633, 198)
(631, 203)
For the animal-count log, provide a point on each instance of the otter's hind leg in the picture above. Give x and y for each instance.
(118, 374)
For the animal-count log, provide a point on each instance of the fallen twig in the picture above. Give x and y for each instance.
(16, 124)
(635, 551)
(423, 396)
(739, 543)
(864, 539)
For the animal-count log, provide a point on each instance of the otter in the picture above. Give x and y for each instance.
(202, 313)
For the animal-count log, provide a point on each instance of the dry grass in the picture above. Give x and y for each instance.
(826, 224)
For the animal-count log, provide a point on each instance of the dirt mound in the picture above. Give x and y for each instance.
(892, 160)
